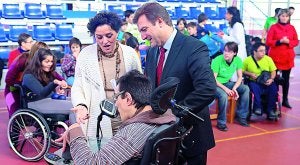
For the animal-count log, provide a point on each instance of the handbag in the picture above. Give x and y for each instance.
(264, 76)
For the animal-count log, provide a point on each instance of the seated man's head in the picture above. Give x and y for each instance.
(132, 94)
(259, 50)
(230, 51)
(192, 28)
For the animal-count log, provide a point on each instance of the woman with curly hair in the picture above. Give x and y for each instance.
(96, 66)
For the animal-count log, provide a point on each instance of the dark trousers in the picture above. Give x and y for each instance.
(199, 159)
(285, 84)
(270, 92)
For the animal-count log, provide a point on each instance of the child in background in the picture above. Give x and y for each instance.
(69, 60)
(181, 26)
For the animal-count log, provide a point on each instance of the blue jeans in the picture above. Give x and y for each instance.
(242, 104)
(270, 92)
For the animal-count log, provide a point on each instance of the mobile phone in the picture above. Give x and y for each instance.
(108, 108)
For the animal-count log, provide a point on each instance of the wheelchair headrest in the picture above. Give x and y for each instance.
(161, 96)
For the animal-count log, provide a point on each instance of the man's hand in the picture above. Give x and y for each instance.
(64, 136)
(269, 82)
(64, 139)
(81, 113)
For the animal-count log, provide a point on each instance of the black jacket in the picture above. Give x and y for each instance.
(189, 61)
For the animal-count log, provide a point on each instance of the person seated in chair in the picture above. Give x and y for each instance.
(224, 66)
(40, 82)
(251, 70)
(132, 98)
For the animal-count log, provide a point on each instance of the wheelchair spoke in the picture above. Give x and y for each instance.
(23, 123)
(35, 144)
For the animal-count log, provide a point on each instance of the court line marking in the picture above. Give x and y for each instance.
(258, 134)
(261, 129)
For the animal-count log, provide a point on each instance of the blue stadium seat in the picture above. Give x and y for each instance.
(116, 9)
(210, 13)
(42, 33)
(15, 31)
(63, 32)
(194, 12)
(222, 12)
(172, 0)
(3, 37)
(132, 7)
(34, 11)
(4, 53)
(54, 11)
(187, 1)
(11, 11)
(179, 13)
(200, 1)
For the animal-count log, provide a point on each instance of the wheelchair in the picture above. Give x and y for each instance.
(164, 145)
(264, 104)
(31, 133)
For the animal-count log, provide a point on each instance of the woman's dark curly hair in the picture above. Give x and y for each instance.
(104, 18)
(236, 17)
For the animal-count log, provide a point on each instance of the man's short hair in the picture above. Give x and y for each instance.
(191, 24)
(153, 11)
(104, 18)
(202, 17)
(22, 38)
(127, 13)
(291, 8)
(75, 40)
(277, 10)
(257, 45)
(139, 87)
(232, 46)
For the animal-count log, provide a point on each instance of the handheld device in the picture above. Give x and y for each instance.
(108, 108)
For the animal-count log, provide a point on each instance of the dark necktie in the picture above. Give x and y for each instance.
(160, 65)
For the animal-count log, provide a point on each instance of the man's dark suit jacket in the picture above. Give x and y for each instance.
(189, 61)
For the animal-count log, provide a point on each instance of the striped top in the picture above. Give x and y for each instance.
(128, 142)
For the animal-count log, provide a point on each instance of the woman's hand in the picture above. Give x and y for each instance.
(81, 113)
(59, 90)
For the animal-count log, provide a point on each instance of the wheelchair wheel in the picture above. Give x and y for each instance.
(28, 135)
(57, 130)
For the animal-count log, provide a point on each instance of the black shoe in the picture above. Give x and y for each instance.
(286, 104)
(272, 115)
(258, 111)
(222, 127)
(243, 122)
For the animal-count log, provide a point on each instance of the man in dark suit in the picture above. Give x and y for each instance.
(174, 55)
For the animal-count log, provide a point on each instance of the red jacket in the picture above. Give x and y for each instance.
(12, 56)
(282, 54)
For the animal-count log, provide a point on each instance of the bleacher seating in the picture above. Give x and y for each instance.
(42, 33)
(181, 13)
(3, 37)
(15, 31)
(194, 12)
(116, 9)
(11, 11)
(34, 11)
(4, 53)
(63, 32)
(54, 11)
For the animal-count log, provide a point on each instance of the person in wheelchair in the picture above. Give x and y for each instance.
(269, 88)
(224, 67)
(41, 81)
(132, 98)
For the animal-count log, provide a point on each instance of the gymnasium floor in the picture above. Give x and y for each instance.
(263, 143)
